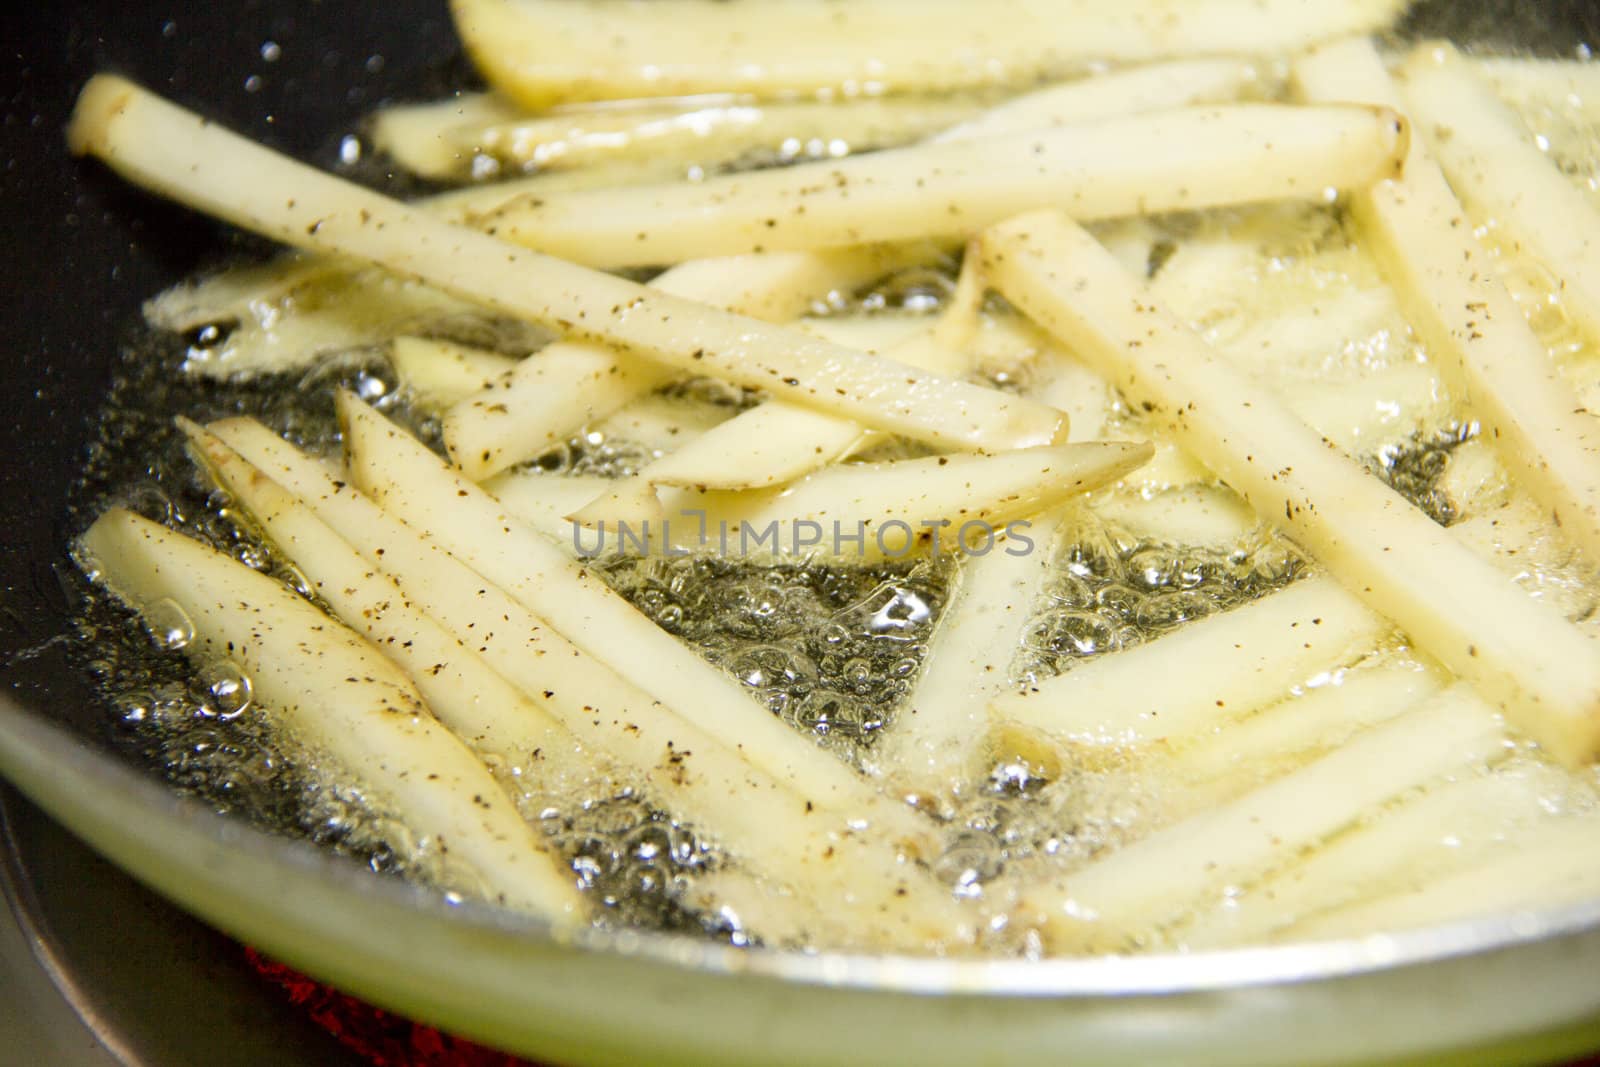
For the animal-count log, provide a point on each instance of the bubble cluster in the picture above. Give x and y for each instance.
(637, 862)
(830, 649)
(1415, 467)
(1112, 591)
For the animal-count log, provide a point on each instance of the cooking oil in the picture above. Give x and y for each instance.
(831, 648)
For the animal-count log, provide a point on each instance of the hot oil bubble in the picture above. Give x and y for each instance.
(225, 689)
(170, 625)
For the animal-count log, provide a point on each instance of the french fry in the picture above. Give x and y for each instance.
(1523, 658)
(1447, 827)
(1237, 754)
(876, 510)
(768, 445)
(423, 138)
(567, 386)
(1492, 162)
(338, 697)
(1184, 158)
(1542, 870)
(934, 747)
(1528, 81)
(780, 827)
(708, 134)
(1212, 670)
(548, 400)
(1447, 286)
(442, 373)
(545, 501)
(544, 52)
(1185, 515)
(718, 131)
(412, 484)
(177, 153)
(461, 690)
(1135, 891)
(1120, 92)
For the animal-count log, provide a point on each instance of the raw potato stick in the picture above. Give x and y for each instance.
(567, 386)
(544, 52)
(765, 446)
(458, 139)
(462, 691)
(1491, 160)
(1446, 827)
(1448, 288)
(1216, 669)
(934, 747)
(780, 832)
(1543, 870)
(1319, 718)
(179, 154)
(411, 483)
(1179, 159)
(1520, 655)
(422, 138)
(1121, 92)
(879, 510)
(708, 134)
(336, 695)
(442, 373)
(572, 385)
(1137, 889)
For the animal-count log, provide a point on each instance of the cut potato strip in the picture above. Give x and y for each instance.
(1541, 871)
(337, 696)
(462, 691)
(1526, 81)
(423, 138)
(232, 294)
(1119, 901)
(568, 386)
(442, 373)
(1209, 671)
(1491, 160)
(544, 501)
(574, 385)
(783, 833)
(764, 447)
(935, 744)
(705, 133)
(1235, 755)
(1448, 288)
(1210, 515)
(1524, 659)
(411, 483)
(876, 510)
(1122, 92)
(1450, 825)
(544, 52)
(1184, 158)
(179, 154)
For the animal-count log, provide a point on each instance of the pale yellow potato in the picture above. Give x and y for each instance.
(1449, 289)
(1177, 159)
(544, 52)
(1495, 166)
(1128, 896)
(181, 155)
(1206, 672)
(1522, 657)
(333, 693)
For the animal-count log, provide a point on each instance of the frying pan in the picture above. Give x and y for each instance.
(85, 251)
